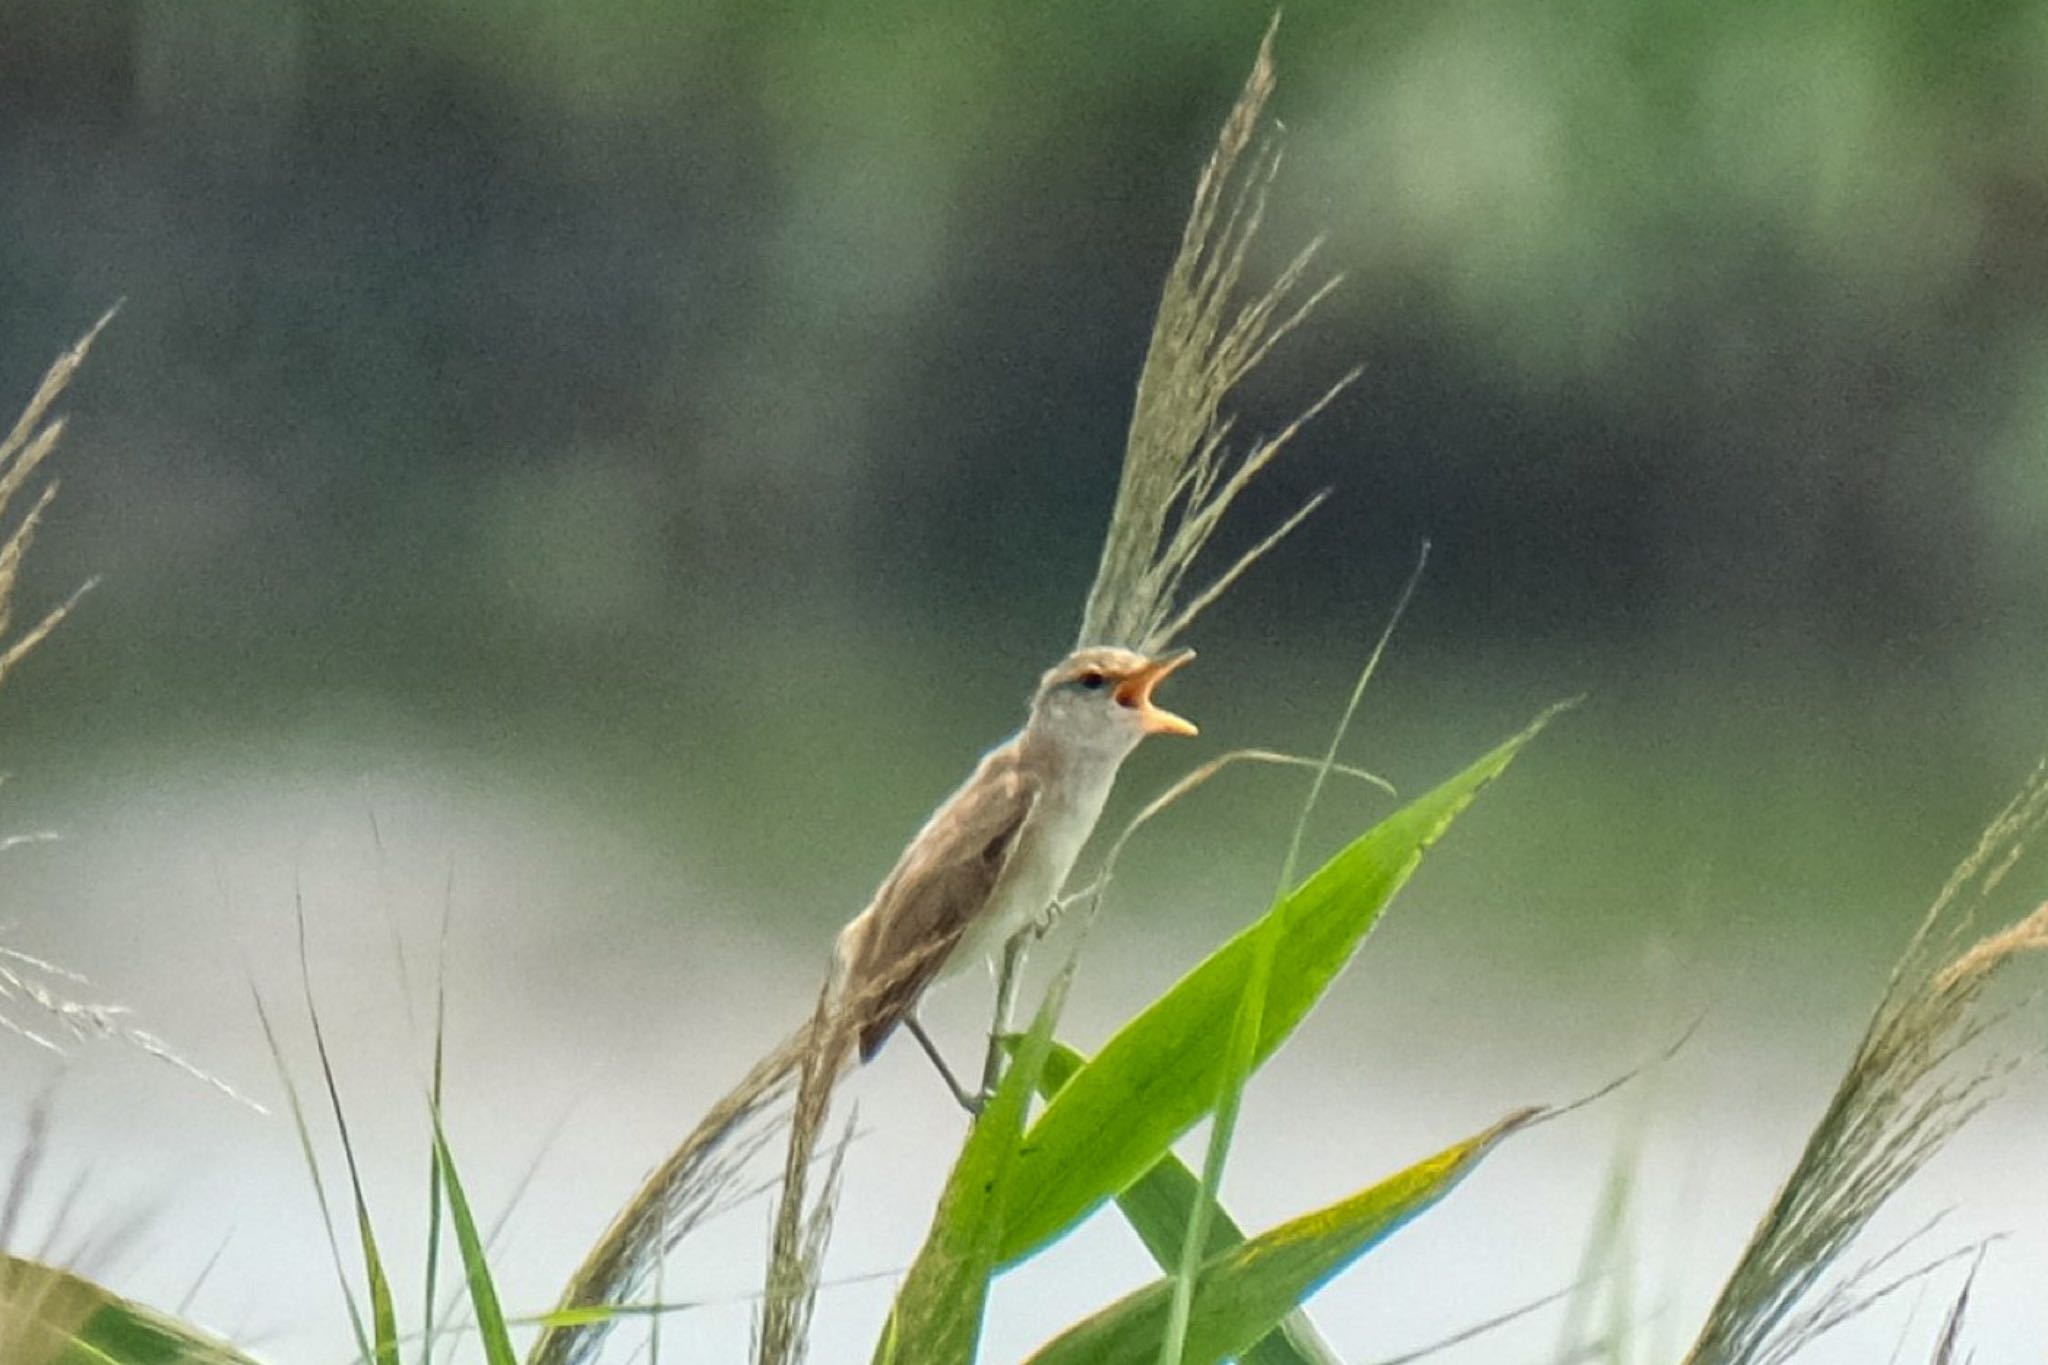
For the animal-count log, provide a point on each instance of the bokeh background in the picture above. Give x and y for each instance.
(604, 469)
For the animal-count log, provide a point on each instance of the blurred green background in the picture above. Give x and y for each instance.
(644, 452)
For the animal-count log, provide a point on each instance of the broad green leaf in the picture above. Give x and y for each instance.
(1156, 1206)
(1241, 1058)
(1243, 1291)
(1161, 1072)
(476, 1270)
(53, 1317)
(936, 1319)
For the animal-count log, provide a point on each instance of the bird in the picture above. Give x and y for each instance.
(991, 860)
(988, 863)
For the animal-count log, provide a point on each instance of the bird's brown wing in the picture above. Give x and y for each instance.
(940, 885)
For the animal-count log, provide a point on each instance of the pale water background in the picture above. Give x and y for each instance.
(611, 969)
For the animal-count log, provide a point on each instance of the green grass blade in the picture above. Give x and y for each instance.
(476, 1270)
(1156, 1206)
(1244, 1291)
(1162, 1070)
(383, 1312)
(1245, 1028)
(53, 1317)
(1239, 1059)
(936, 1319)
(312, 1158)
(433, 1266)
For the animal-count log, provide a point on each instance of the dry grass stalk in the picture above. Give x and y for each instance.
(1177, 466)
(26, 981)
(796, 1252)
(31, 982)
(22, 451)
(671, 1202)
(1898, 1102)
(699, 1177)
(1948, 1348)
(796, 1272)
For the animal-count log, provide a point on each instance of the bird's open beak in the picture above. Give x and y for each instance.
(1136, 691)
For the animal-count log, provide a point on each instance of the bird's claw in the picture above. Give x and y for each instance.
(1050, 916)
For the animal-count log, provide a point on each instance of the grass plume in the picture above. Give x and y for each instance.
(33, 987)
(1899, 1101)
(1179, 477)
(22, 452)
(670, 1202)
(700, 1178)
(796, 1252)
(50, 991)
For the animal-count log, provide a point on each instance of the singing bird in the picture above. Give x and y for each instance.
(991, 860)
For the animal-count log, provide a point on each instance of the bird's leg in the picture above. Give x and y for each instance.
(969, 1101)
(1007, 973)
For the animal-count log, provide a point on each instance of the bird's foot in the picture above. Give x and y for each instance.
(1050, 916)
(973, 1102)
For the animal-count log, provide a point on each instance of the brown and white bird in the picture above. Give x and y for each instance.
(992, 859)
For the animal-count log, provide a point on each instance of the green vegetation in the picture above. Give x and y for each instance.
(53, 1317)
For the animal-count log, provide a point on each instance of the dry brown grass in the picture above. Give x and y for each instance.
(1179, 477)
(1907, 1090)
(22, 452)
(49, 1012)
(700, 1176)
(42, 987)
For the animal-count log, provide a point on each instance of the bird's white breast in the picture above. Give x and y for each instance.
(1048, 845)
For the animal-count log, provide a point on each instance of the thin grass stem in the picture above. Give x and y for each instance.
(1245, 1027)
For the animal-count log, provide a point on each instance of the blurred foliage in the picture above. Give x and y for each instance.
(620, 393)
(568, 316)
(50, 1316)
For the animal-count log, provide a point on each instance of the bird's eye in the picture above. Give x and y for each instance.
(1092, 680)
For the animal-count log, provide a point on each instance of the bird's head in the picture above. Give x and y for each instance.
(1101, 697)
